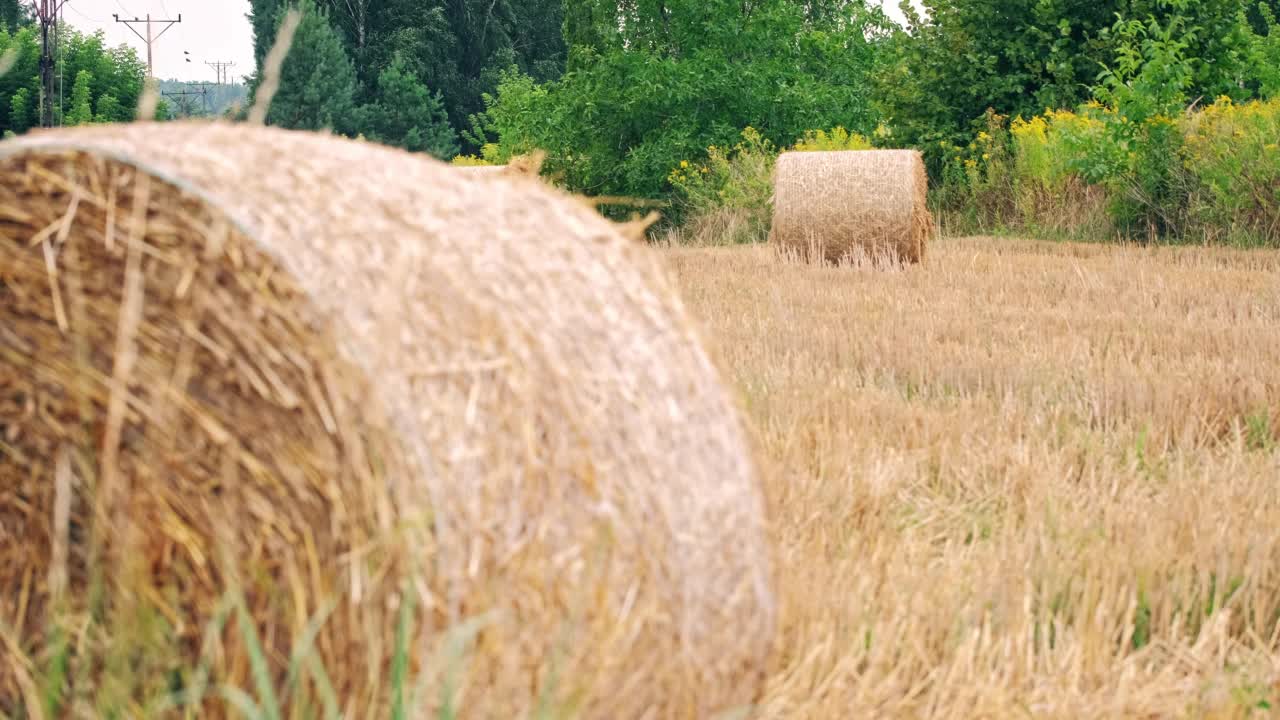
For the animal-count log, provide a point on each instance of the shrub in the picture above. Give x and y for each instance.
(1051, 193)
(976, 188)
(1233, 152)
(672, 81)
(490, 154)
(726, 198)
(836, 139)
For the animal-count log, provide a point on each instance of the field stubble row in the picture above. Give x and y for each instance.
(1023, 478)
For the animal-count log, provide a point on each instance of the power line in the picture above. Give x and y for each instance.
(203, 92)
(149, 39)
(220, 69)
(80, 12)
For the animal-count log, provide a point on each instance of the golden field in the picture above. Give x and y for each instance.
(1020, 480)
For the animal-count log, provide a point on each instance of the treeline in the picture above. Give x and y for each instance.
(204, 99)
(1016, 104)
(410, 73)
(94, 82)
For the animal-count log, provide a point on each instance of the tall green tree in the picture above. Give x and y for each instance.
(406, 114)
(263, 16)
(317, 81)
(81, 111)
(658, 82)
(109, 109)
(961, 57)
(20, 111)
(14, 14)
(458, 48)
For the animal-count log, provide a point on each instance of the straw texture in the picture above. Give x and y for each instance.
(841, 205)
(482, 170)
(321, 371)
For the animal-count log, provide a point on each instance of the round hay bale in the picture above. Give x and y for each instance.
(840, 205)
(482, 170)
(372, 402)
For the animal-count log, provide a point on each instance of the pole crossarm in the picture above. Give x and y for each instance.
(149, 38)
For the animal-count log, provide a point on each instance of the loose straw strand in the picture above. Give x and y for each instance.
(272, 67)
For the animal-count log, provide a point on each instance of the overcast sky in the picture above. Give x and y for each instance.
(211, 30)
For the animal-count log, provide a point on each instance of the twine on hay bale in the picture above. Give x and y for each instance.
(319, 371)
(844, 204)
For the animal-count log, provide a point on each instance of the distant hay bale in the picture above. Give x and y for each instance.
(317, 371)
(842, 204)
(481, 170)
(519, 166)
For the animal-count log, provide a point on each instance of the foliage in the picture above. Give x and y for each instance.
(978, 177)
(1233, 152)
(407, 115)
(89, 70)
(1046, 147)
(13, 14)
(81, 112)
(1084, 174)
(1263, 55)
(454, 47)
(648, 86)
(727, 196)
(489, 155)
(20, 111)
(1144, 89)
(317, 81)
(108, 108)
(961, 58)
(220, 98)
(837, 139)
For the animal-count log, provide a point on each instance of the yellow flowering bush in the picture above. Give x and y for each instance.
(1042, 154)
(837, 138)
(1233, 152)
(490, 154)
(725, 196)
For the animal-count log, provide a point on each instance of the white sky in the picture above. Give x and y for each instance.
(211, 30)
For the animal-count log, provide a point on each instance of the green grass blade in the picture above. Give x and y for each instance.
(55, 675)
(257, 661)
(400, 662)
(194, 695)
(303, 646)
(241, 701)
(455, 643)
(327, 696)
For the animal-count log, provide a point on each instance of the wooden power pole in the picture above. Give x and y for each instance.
(149, 39)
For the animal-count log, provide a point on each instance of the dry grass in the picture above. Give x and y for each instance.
(1021, 480)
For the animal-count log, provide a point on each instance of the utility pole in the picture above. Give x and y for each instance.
(47, 14)
(220, 69)
(148, 39)
(203, 92)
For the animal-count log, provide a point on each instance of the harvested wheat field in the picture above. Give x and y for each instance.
(1022, 480)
